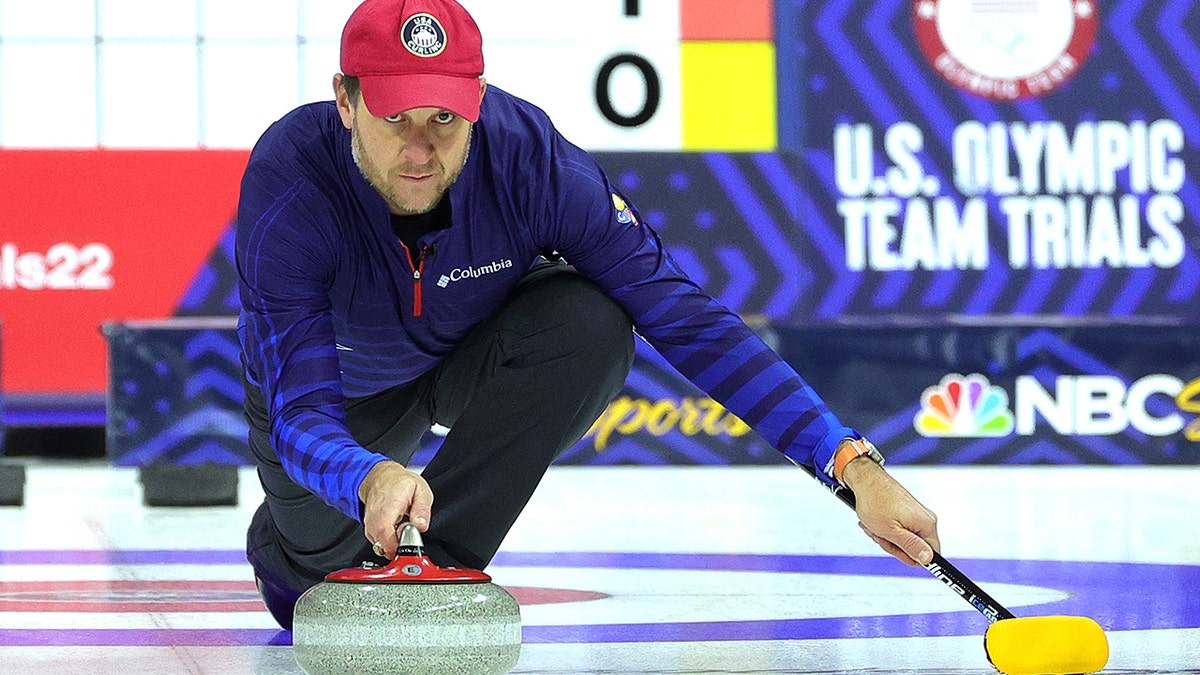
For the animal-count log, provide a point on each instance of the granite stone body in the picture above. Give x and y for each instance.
(410, 616)
(394, 628)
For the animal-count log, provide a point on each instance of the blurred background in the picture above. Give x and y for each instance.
(970, 225)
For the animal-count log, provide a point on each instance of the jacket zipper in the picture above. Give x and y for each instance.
(416, 275)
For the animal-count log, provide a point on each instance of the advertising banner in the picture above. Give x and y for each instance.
(1076, 393)
(979, 157)
(1011, 394)
(100, 235)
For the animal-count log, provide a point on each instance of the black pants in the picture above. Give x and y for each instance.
(523, 387)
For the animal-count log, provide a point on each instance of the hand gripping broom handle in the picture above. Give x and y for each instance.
(940, 568)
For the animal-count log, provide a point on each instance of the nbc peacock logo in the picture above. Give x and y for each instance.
(964, 406)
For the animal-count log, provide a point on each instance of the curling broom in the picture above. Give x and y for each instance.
(1038, 645)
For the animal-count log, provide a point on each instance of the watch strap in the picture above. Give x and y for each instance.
(849, 449)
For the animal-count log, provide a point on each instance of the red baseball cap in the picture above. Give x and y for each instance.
(414, 54)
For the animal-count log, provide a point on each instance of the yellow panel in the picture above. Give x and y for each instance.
(728, 96)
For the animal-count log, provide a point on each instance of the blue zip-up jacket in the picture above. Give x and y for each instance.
(332, 306)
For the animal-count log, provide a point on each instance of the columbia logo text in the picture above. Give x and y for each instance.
(474, 272)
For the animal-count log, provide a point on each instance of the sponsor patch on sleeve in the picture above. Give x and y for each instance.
(624, 213)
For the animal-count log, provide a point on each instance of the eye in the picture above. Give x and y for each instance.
(445, 117)
(395, 118)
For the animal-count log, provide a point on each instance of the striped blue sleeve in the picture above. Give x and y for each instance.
(284, 265)
(703, 340)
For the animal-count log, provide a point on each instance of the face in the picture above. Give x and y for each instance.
(410, 158)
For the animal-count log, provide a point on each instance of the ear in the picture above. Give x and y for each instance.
(482, 88)
(344, 105)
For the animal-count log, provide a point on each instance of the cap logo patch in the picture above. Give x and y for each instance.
(423, 35)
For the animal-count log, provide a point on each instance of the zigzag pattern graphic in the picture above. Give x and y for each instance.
(214, 290)
(659, 440)
(729, 220)
(176, 397)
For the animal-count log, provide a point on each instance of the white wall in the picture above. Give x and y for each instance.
(215, 73)
(160, 73)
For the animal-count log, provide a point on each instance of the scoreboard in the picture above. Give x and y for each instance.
(658, 75)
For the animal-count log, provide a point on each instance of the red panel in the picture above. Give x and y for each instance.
(97, 235)
(724, 20)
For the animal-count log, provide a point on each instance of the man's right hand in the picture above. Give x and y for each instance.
(890, 515)
(389, 493)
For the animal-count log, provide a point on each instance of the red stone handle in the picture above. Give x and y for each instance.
(408, 569)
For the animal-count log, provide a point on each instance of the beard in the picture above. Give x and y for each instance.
(378, 178)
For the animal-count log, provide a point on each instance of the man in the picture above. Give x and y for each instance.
(391, 248)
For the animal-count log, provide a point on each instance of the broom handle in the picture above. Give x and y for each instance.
(939, 567)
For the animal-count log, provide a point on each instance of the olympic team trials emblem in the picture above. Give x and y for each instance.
(624, 213)
(423, 35)
(1006, 50)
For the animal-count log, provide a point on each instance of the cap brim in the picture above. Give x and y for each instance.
(387, 95)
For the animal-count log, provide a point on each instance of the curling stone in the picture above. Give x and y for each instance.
(409, 616)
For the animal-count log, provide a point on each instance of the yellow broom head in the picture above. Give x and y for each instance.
(1046, 645)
